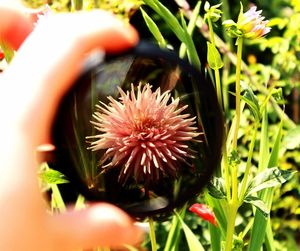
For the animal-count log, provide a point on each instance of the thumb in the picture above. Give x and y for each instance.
(101, 225)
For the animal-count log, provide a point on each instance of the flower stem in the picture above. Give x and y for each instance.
(216, 70)
(218, 87)
(238, 91)
(248, 164)
(152, 235)
(233, 204)
(233, 207)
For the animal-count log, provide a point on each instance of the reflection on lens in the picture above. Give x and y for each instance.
(141, 131)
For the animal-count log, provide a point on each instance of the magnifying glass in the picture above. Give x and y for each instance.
(142, 130)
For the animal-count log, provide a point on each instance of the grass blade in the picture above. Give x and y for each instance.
(192, 240)
(154, 29)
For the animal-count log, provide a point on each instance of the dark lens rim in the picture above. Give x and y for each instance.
(207, 94)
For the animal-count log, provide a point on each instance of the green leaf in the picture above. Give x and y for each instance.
(57, 201)
(278, 95)
(216, 188)
(190, 28)
(260, 222)
(166, 15)
(191, 49)
(264, 153)
(258, 203)
(213, 57)
(181, 32)
(174, 232)
(218, 208)
(292, 139)
(251, 100)
(270, 177)
(274, 156)
(53, 177)
(154, 29)
(192, 240)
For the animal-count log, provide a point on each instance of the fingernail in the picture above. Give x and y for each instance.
(142, 226)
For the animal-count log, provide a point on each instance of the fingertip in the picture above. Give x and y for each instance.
(100, 224)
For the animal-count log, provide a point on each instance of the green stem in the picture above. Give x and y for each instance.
(233, 207)
(226, 174)
(218, 87)
(233, 204)
(238, 91)
(211, 31)
(248, 164)
(216, 71)
(152, 235)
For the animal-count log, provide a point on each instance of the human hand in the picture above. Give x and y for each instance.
(43, 69)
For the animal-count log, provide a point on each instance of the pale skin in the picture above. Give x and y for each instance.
(48, 60)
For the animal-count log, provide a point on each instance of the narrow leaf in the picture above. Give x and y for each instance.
(154, 29)
(191, 49)
(174, 232)
(192, 240)
(264, 152)
(181, 32)
(213, 57)
(167, 16)
(190, 28)
(260, 222)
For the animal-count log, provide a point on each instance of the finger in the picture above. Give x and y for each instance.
(15, 25)
(56, 50)
(100, 225)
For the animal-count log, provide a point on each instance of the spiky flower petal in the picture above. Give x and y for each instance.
(145, 134)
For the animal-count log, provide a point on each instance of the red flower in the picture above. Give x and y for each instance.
(1, 54)
(204, 212)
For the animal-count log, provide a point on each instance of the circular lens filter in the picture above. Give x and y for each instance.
(142, 130)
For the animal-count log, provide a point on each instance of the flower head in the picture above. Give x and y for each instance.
(145, 134)
(250, 24)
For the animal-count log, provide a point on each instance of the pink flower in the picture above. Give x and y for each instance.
(252, 23)
(204, 212)
(145, 134)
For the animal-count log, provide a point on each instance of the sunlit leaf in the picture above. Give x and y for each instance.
(216, 188)
(154, 29)
(192, 240)
(51, 176)
(251, 100)
(258, 203)
(292, 138)
(270, 177)
(213, 57)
